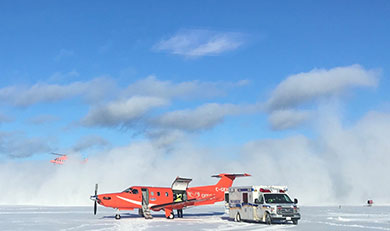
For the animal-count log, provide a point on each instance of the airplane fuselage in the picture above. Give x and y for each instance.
(131, 199)
(177, 197)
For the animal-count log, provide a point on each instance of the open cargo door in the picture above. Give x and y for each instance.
(179, 189)
(181, 184)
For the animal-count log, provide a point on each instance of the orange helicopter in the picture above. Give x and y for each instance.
(62, 158)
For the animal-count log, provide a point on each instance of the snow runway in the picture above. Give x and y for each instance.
(197, 218)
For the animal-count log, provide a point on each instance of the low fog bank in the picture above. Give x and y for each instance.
(339, 165)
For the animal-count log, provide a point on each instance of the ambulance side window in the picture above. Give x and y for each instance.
(261, 199)
(245, 198)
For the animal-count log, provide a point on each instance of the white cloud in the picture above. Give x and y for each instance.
(305, 87)
(201, 118)
(287, 118)
(17, 145)
(63, 53)
(60, 76)
(340, 165)
(42, 119)
(151, 86)
(4, 118)
(196, 43)
(89, 142)
(312, 89)
(122, 112)
(24, 96)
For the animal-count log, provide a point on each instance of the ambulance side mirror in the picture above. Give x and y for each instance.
(295, 201)
(257, 201)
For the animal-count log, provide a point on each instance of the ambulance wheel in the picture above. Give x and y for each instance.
(171, 216)
(268, 220)
(295, 222)
(117, 216)
(237, 218)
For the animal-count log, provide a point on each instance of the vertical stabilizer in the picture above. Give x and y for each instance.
(226, 180)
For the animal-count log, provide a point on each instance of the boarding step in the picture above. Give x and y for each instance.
(146, 212)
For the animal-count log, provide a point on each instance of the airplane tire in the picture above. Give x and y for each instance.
(171, 216)
(117, 216)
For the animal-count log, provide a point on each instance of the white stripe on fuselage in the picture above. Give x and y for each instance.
(133, 201)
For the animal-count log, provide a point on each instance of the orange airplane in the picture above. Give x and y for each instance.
(178, 196)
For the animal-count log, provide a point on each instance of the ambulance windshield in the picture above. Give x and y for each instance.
(279, 198)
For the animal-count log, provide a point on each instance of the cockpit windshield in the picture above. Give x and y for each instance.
(128, 190)
(273, 198)
(131, 191)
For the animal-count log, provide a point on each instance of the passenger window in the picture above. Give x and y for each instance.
(158, 193)
(152, 193)
(166, 194)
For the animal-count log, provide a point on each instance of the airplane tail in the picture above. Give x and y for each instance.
(226, 180)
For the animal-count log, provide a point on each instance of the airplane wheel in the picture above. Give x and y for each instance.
(237, 218)
(171, 216)
(117, 216)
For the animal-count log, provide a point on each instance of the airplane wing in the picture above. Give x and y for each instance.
(181, 204)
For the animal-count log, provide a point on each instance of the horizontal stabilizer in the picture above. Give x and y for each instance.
(231, 175)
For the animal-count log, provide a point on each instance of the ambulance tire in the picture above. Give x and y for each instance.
(268, 220)
(295, 222)
(237, 218)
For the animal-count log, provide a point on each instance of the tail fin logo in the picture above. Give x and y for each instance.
(221, 189)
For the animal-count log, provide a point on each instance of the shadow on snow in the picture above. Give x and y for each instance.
(186, 215)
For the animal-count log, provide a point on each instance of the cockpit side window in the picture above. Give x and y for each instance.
(135, 191)
(127, 190)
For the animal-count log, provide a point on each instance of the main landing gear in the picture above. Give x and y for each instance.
(117, 216)
(170, 215)
(180, 213)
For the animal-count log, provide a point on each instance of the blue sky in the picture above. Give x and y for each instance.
(217, 86)
(243, 50)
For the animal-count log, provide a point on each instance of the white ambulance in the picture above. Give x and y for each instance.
(262, 204)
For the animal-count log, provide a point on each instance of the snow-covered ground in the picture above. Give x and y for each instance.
(196, 218)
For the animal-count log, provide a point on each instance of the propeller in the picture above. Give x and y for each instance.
(95, 198)
(58, 154)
